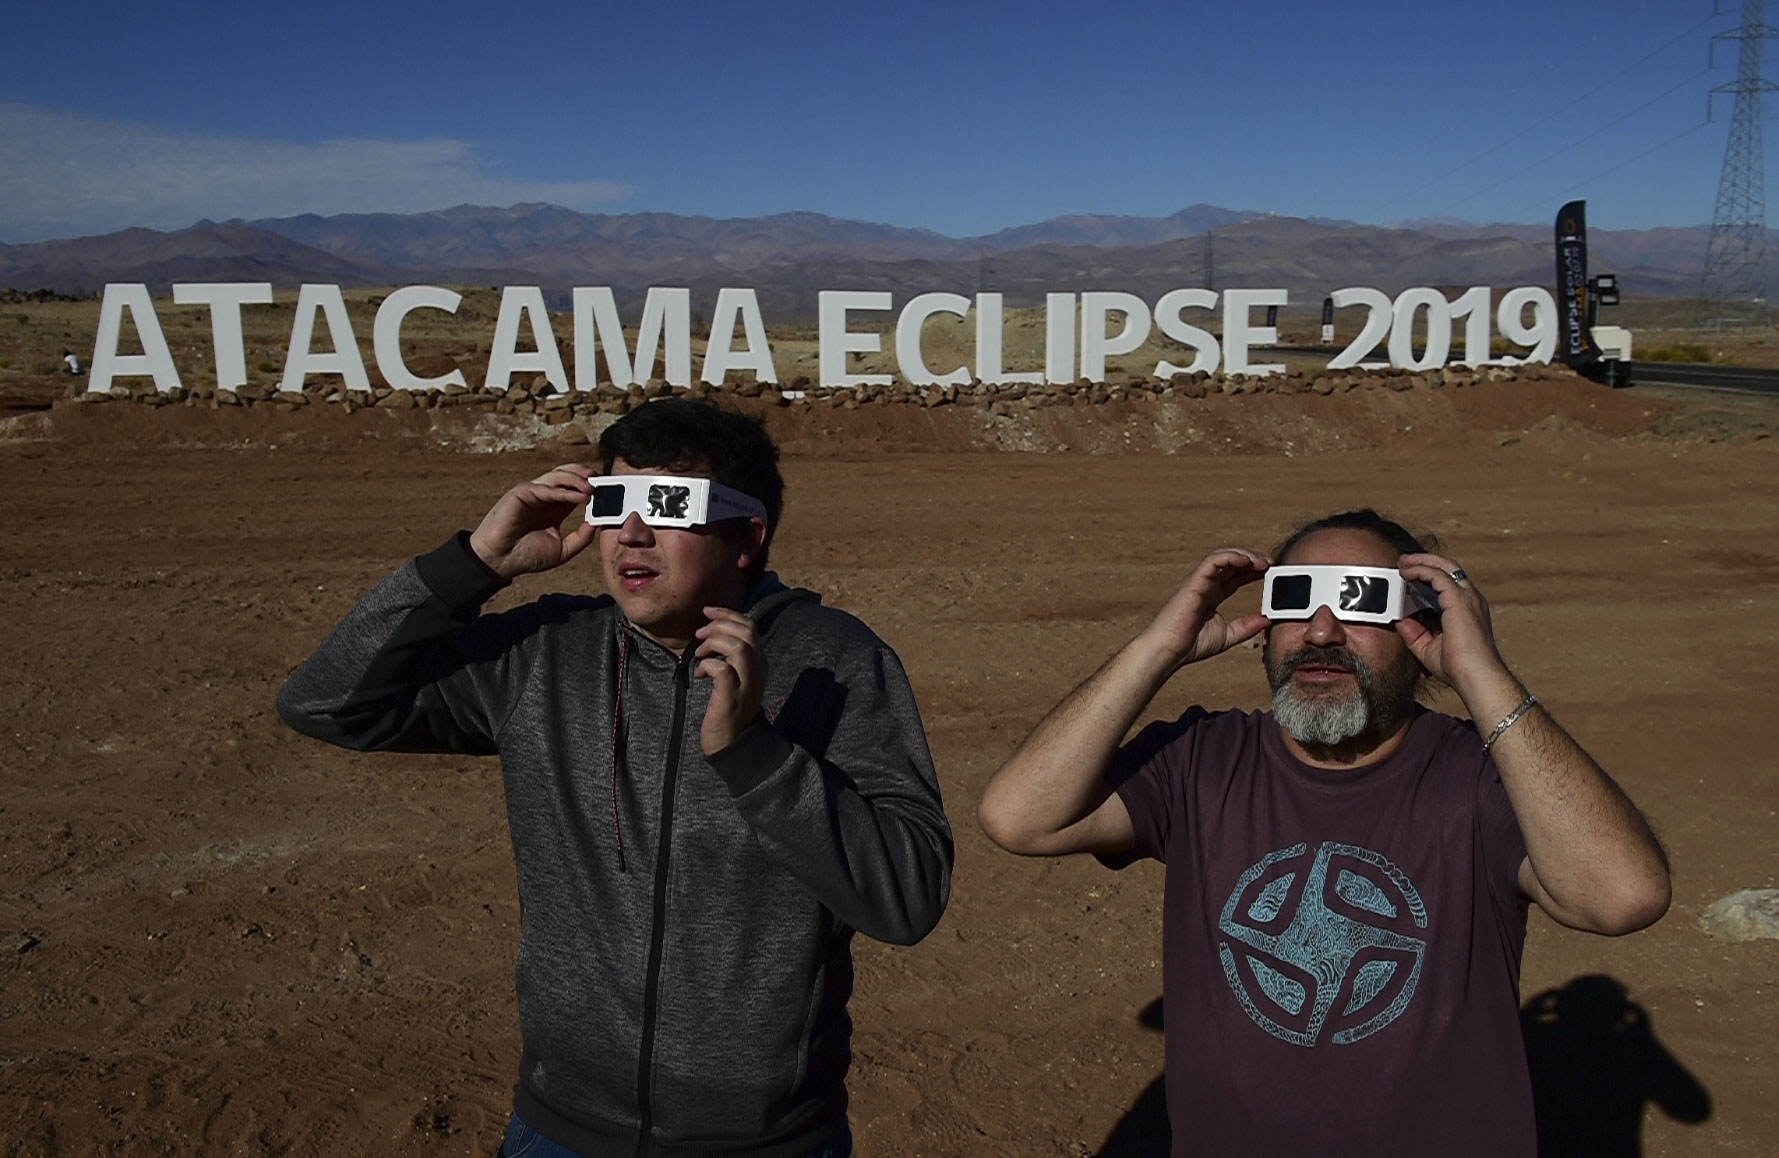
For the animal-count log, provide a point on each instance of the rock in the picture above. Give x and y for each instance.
(1749, 915)
(558, 416)
(396, 400)
(291, 398)
(574, 434)
(227, 398)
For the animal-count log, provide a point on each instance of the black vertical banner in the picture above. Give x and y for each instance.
(1574, 341)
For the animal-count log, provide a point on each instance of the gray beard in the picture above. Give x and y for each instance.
(1321, 722)
(1318, 722)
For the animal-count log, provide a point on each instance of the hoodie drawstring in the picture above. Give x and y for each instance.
(617, 734)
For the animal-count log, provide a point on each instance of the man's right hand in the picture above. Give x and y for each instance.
(522, 533)
(1051, 796)
(1189, 627)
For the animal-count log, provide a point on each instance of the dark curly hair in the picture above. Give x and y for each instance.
(1388, 531)
(681, 434)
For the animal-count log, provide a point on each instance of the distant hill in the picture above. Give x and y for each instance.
(790, 257)
(205, 252)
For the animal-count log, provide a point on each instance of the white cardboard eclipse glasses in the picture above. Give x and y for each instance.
(1354, 594)
(666, 500)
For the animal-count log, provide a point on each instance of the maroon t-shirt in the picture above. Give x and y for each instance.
(1341, 950)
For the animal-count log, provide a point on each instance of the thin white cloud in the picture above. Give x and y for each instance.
(67, 175)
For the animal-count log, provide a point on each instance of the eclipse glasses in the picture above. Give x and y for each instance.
(1354, 594)
(666, 500)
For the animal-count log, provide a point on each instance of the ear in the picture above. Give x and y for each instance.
(753, 539)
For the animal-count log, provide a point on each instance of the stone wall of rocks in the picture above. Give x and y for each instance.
(537, 397)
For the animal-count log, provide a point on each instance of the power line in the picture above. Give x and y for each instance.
(1538, 124)
(1546, 200)
(1569, 146)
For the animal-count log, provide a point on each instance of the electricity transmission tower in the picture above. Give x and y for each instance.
(1733, 292)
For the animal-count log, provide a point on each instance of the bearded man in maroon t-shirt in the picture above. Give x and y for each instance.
(1347, 875)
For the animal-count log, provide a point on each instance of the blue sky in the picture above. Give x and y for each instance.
(959, 118)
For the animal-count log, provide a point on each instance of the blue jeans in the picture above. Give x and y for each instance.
(522, 1141)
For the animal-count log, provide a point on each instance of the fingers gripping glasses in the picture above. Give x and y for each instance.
(665, 500)
(1354, 594)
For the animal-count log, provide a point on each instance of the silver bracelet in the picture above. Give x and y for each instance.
(1511, 719)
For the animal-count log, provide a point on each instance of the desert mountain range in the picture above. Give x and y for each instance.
(789, 257)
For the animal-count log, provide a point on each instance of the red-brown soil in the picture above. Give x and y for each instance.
(222, 938)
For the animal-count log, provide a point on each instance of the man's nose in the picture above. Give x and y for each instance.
(633, 532)
(1325, 630)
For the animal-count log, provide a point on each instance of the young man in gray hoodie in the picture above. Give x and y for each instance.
(712, 781)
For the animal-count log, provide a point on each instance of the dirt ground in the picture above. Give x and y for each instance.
(222, 938)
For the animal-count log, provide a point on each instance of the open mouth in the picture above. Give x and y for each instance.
(635, 578)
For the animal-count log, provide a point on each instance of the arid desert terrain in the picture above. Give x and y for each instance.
(221, 938)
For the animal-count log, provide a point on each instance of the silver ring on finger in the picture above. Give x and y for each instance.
(1458, 576)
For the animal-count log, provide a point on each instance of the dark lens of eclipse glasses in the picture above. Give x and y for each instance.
(1291, 592)
(1364, 593)
(608, 500)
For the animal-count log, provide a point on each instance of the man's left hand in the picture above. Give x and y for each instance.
(1462, 653)
(729, 656)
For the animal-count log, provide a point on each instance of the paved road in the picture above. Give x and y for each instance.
(1738, 378)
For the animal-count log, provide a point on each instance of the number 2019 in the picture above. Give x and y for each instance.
(1396, 322)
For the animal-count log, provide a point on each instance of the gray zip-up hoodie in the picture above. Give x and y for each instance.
(685, 952)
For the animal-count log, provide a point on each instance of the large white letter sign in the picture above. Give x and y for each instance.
(155, 358)
(1510, 319)
(835, 342)
(386, 335)
(1473, 306)
(666, 321)
(1402, 332)
(1203, 343)
(1238, 334)
(988, 345)
(345, 360)
(225, 300)
(1379, 314)
(1095, 345)
(666, 317)
(596, 326)
(1059, 339)
(909, 325)
(505, 357)
(720, 356)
